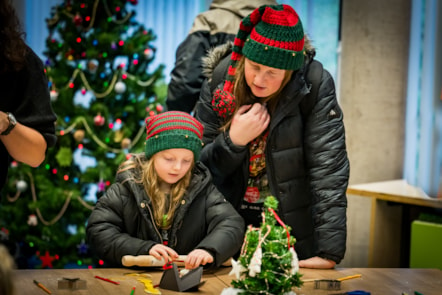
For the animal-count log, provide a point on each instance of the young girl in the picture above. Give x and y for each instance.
(164, 204)
(261, 139)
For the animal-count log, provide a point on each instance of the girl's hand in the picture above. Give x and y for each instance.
(161, 251)
(317, 262)
(248, 123)
(196, 258)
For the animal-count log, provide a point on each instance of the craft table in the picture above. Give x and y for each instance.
(394, 205)
(377, 281)
(374, 280)
(49, 278)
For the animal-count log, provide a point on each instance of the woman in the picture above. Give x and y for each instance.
(260, 140)
(27, 120)
(164, 203)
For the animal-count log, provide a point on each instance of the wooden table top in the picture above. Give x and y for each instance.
(380, 281)
(374, 280)
(24, 284)
(395, 191)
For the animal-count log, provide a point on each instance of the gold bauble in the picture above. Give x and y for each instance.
(125, 143)
(79, 135)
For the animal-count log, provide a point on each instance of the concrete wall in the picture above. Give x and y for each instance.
(372, 93)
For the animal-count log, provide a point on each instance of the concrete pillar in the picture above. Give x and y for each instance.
(372, 92)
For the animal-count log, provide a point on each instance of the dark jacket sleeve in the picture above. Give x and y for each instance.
(186, 77)
(107, 230)
(328, 166)
(219, 154)
(225, 232)
(36, 110)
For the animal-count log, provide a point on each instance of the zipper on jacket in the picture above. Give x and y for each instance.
(153, 223)
(269, 164)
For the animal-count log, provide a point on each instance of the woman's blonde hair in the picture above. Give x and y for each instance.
(7, 265)
(243, 94)
(164, 205)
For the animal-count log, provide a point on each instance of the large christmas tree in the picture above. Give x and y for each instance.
(102, 89)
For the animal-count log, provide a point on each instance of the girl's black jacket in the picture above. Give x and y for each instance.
(122, 221)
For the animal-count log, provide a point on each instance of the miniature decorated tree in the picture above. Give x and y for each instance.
(268, 263)
(102, 87)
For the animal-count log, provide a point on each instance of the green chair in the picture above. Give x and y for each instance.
(426, 245)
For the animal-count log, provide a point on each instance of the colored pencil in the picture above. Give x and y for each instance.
(43, 287)
(107, 280)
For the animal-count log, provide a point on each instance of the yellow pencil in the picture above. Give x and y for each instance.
(349, 277)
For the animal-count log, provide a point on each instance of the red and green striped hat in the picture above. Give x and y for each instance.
(272, 35)
(173, 130)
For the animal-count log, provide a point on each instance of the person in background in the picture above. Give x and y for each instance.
(6, 267)
(211, 28)
(164, 203)
(260, 140)
(26, 117)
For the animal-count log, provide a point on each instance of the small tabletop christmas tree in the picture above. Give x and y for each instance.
(268, 263)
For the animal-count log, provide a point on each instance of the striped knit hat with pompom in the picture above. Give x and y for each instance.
(272, 35)
(173, 130)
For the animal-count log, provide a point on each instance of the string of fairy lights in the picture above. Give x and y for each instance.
(119, 86)
(116, 83)
(91, 19)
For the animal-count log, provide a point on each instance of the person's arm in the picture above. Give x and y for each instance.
(106, 230)
(30, 104)
(24, 144)
(225, 228)
(317, 262)
(219, 153)
(328, 166)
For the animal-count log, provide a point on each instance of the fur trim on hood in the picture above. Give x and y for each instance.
(216, 54)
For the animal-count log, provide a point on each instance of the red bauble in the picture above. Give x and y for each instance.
(159, 108)
(78, 20)
(99, 120)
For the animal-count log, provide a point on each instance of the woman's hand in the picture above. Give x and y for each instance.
(196, 258)
(248, 123)
(160, 251)
(317, 262)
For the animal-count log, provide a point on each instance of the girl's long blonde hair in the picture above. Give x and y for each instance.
(244, 95)
(163, 205)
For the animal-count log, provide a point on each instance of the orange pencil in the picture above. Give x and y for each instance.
(43, 287)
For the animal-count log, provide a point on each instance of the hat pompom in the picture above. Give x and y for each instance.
(224, 103)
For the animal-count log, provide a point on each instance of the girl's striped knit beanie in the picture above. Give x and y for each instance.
(172, 130)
